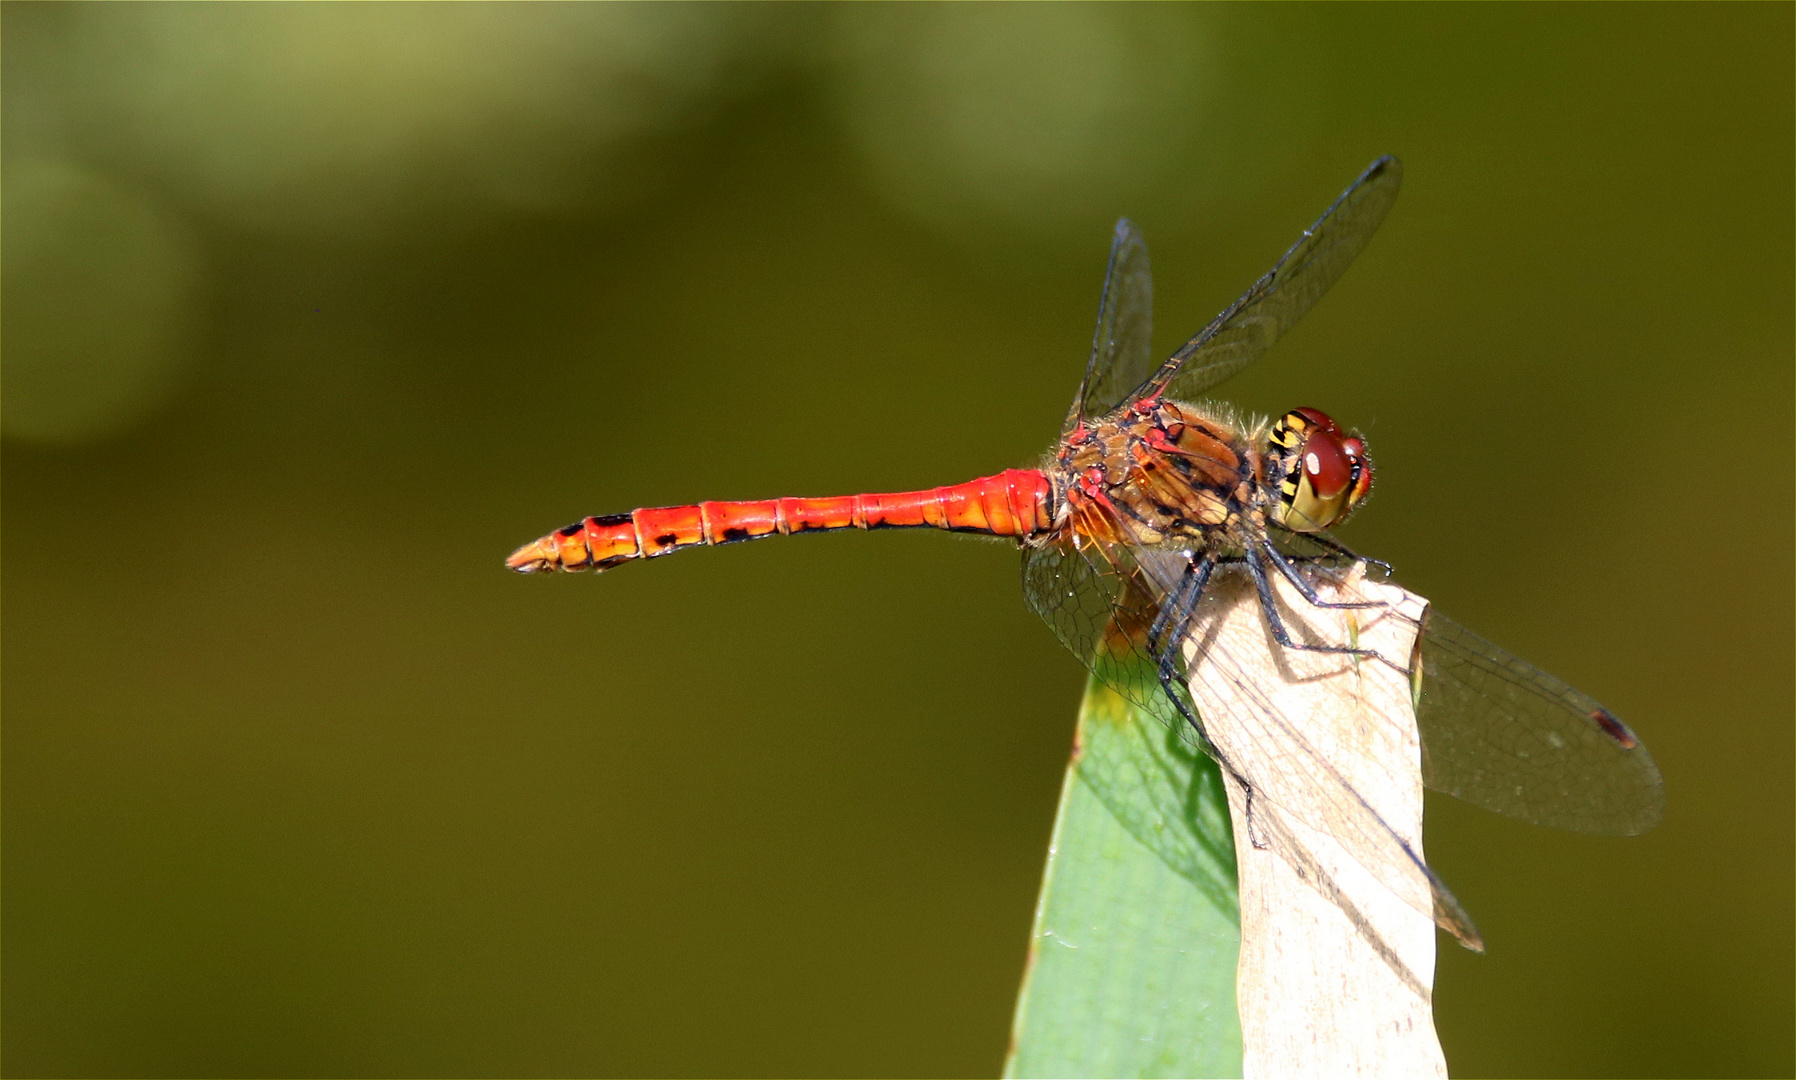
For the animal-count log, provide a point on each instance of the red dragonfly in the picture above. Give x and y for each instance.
(1150, 496)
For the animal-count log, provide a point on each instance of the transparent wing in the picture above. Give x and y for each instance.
(1500, 733)
(1101, 608)
(1100, 604)
(1237, 337)
(1121, 350)
(1503, 734)
(1291, 771)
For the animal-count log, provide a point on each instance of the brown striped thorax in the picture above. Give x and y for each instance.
(1164, 473)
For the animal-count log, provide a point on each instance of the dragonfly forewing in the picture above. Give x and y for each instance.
(1249, 326)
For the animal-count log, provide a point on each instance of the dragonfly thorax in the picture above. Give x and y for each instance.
(1159, 472)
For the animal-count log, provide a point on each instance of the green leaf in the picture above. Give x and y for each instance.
(1132, 962)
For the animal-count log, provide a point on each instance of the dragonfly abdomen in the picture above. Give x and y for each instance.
(1015, 502)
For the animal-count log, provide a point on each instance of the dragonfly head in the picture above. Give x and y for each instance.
(1322, 472)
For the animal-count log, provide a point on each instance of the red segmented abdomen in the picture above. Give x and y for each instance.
(1016, 502)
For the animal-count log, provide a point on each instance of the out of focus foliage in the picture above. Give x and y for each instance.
(315, 311)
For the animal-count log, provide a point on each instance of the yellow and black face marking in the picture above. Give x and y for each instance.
(1322, 472)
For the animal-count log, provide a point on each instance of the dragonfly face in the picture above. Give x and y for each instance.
(1322, 473)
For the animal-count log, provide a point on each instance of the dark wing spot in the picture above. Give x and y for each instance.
(1614, 728)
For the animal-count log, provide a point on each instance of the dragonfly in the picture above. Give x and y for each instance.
(1153, 495)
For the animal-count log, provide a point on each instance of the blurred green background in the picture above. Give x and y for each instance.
(315, 312)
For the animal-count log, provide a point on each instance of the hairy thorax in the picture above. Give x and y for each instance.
(1162, 474)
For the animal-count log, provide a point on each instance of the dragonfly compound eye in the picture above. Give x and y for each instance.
(1324, 473)
(1355, 448)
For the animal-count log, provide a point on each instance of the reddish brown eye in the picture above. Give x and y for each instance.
(1324, 471)
(1355, 449)
(1319, 419)
(1327, 465)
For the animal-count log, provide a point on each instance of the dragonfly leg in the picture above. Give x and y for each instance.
(1165, 641)
(1303, 585)
(1176, 609)
(1166, 638)
(1323, 540)
(1254, 835)
(1269, 606)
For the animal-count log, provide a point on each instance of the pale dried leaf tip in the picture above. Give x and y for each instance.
(1337, 952)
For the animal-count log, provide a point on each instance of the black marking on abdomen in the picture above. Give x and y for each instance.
(575, 529)
(730, 536)
(666, 539)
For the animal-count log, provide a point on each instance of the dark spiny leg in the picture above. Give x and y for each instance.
(1330, 560)
(1304, 587)
(1167, 637)
(1269, 606)
(1166, 642)
(1176, 609)
(1323, 540)
(1253, 834)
